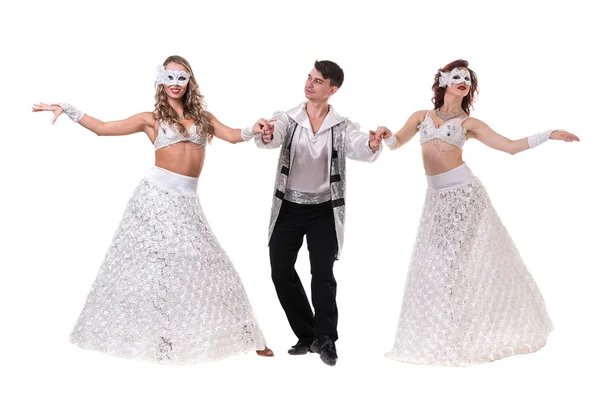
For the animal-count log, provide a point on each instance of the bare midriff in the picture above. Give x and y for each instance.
(184, 158)
(440, 157)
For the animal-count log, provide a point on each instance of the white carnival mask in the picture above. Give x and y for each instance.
(171, 77)
(455, 77)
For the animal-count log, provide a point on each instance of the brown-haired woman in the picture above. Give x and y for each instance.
(468, 297)
(166, 291)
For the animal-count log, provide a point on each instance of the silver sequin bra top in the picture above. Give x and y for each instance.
(450, 131)
(168, 136)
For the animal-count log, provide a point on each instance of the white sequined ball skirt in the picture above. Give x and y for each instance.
(166, 291)
(468, 297)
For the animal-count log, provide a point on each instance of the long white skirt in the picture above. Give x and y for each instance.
(167, 292)
(468, 298)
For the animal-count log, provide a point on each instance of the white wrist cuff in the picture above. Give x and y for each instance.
(537, 139)
(391, 141)
(70, 111)
(247, 134)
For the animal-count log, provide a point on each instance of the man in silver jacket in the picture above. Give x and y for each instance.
(309, 200)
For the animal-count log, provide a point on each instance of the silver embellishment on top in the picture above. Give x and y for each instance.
(168, 136)
(450, 132)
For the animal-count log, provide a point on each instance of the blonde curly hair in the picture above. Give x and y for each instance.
(194, 106)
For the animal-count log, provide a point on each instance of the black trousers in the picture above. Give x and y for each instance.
(317, 223)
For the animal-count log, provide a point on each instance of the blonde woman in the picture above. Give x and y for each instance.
(166, 291)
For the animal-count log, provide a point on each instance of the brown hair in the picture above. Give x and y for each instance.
(193, 104)
(439, 92)
(331, 71)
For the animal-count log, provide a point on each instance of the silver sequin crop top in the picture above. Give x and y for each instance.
(168, 136)
(450, 131)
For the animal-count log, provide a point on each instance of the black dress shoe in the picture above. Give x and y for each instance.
(299, 349)
(326, 349)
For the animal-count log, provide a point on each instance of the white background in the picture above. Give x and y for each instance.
(64, 189)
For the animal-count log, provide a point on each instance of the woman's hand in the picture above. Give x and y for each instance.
(564, 136)
(57, 110)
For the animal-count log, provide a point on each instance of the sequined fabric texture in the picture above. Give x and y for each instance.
(450, 131)
(167, 292)
(298, 197)
(168, 136)
(337, 178)
(468, 297)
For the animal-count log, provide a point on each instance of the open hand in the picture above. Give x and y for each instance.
(57, 110)
(564, 136)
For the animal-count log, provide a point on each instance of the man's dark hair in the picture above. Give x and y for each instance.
(331, 71)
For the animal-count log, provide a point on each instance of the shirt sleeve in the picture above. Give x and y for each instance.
(357, 144)
(281, 123)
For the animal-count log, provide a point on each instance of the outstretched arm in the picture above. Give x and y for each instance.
(486, 135)
(142, 122)
(407, 132)
(362, 146)
(232, 135)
